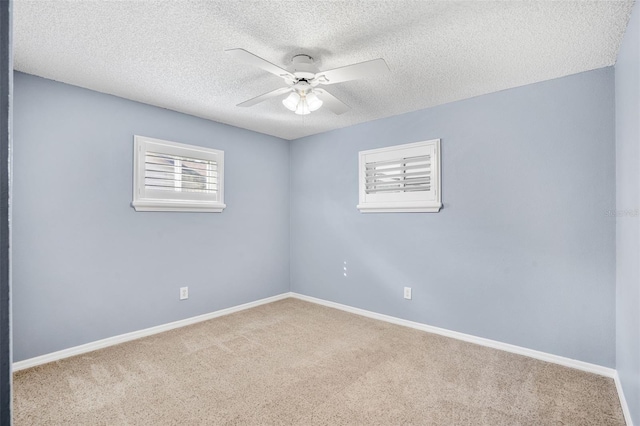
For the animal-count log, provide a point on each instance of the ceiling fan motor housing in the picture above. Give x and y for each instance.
(302, 67)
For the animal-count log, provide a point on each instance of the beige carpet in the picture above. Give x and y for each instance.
(292, 362)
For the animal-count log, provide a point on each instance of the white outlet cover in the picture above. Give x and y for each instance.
(407, 293)
(184, 293)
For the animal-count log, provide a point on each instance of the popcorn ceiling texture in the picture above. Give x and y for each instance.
(170, 53)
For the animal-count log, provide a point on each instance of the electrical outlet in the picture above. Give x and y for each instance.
(184, 293)
(407, 293)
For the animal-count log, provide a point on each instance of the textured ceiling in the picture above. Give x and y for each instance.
(171, 53)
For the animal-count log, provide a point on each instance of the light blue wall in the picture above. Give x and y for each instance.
(523, 251)
(86, 265)
(627, 73)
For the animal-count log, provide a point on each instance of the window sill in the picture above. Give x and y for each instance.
(176, 206)
(400, 208)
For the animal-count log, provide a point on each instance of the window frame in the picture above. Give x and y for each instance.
(148, 200)
(402, 202)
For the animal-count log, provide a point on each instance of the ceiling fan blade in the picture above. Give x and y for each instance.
(265, 96)
(331, 102)
(251, 59)
(353, 72)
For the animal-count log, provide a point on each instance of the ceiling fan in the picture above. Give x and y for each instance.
(304, 78)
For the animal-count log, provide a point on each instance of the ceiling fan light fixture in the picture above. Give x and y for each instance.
(303, 107)
(291, 101)
(314, 101)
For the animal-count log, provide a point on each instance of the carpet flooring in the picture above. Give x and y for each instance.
(293, 362)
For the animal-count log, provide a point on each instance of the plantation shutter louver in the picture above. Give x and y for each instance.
(177, 173)
(402, 178)
(169, 176)
(401, 175)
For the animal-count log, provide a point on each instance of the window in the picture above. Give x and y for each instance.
(402, 178)
(169, 176)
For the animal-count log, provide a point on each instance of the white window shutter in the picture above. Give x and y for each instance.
(402, 178)
(166, 172)
(169, 176)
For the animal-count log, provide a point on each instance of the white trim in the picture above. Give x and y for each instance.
(176, 206)
(115, 340)
(623, 400)
(405, 202)
(543, 356)
(150, 200)
(364, 208)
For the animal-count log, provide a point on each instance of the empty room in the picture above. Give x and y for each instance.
(319, 212)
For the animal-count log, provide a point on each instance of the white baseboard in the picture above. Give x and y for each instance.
(556, 359)
(623, 400)
(110, 341)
